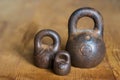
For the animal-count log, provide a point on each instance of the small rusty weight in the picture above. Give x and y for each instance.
(86, 47)
(43, 53)
(62, 63)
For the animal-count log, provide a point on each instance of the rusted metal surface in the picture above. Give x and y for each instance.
(44, 54)
(86, 47)
(62, 63)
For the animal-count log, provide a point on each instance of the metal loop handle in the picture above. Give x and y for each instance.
(89, 12)
(64, 54)
(47, 32)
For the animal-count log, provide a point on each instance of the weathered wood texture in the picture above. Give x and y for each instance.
(21, 19)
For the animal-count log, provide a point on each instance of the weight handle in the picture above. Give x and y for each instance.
(47, 32)
(64, 54)
(88, 12)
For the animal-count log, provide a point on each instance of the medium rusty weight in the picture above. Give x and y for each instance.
(86, 47)
(62, 63)
(43, 53)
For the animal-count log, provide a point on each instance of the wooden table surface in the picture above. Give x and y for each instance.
(21, 19)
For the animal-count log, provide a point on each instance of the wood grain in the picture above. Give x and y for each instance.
(21, 19)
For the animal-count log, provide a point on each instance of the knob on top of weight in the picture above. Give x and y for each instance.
(44, 54)
(86, 47)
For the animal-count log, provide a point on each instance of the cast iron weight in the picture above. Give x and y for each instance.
(86, 47)
(62, 63)
(43, 53)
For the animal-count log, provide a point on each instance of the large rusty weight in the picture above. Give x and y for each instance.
(62, 63)
(43, 53)
(86, 47)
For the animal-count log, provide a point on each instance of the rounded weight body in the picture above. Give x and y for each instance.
(86, 47)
